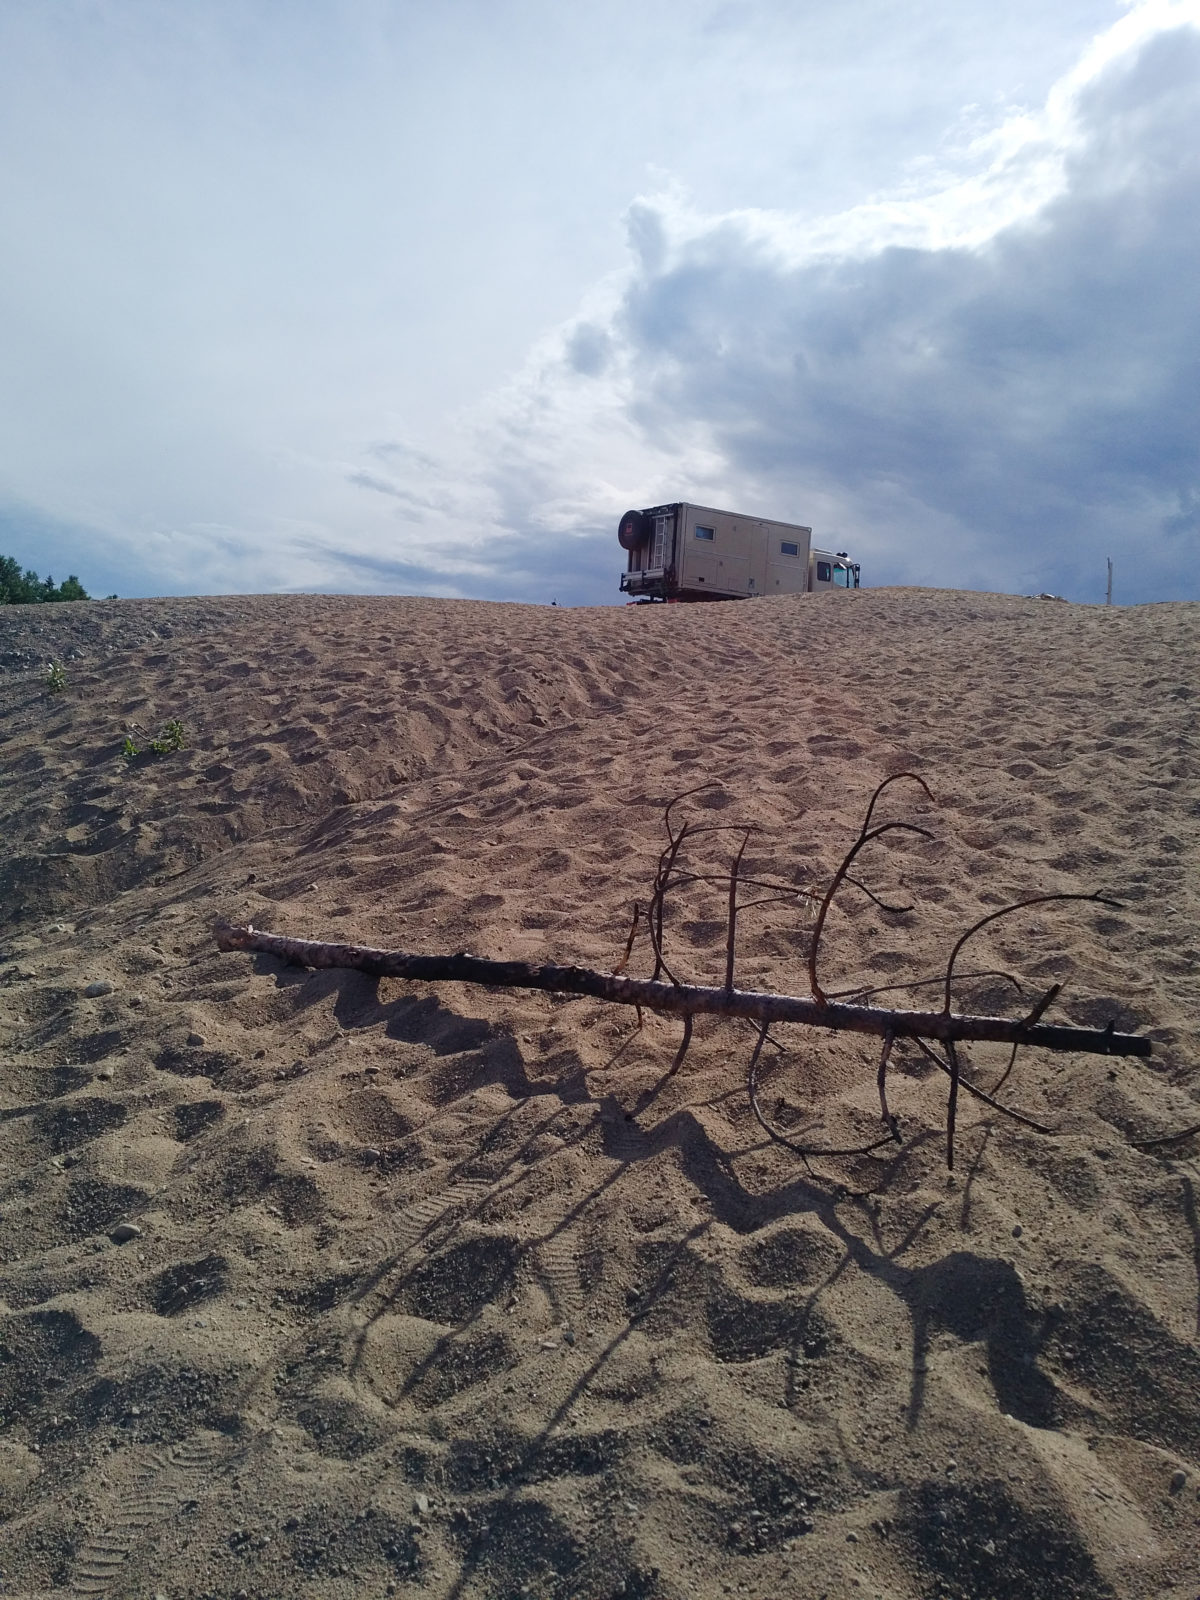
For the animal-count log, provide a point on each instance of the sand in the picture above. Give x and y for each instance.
(444, 1291)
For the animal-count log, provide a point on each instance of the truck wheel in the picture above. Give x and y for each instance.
(633, 531)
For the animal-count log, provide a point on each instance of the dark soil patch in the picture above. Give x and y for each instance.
(44, 1353)
(456, 1285)
(187, 1284)
(195, 1117)
(63, 1127)
(976, 1539)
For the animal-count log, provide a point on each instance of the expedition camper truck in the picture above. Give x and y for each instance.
(686, 552)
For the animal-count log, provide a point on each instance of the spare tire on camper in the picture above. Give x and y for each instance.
(634, 530)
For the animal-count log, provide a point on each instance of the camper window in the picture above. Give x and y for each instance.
(841, 575)
(787, 548)
(705, 533)
(823, 572)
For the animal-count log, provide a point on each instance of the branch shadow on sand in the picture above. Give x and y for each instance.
(974, 1299)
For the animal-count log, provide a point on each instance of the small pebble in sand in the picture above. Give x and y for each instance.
(195, 1040)
(124, 1231)
(421, 1505)
(105, 1074)
(1018, 1231)
(1178, 1479)
(95, 990)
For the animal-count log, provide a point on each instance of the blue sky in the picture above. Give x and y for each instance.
(360, 295)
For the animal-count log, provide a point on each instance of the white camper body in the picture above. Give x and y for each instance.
(689, 552)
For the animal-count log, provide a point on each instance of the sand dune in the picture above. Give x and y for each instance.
(442, 1290)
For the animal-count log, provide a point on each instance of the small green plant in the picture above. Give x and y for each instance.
(56, 677)
(170, 738)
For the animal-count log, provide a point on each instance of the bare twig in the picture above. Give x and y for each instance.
(1004, 1076)
(667, 878)
(633, 928)
(803, 1151)
(1043, 1005)
(952, 1101)
(1036, 1015)
(865, 836)
(981, 1094)
(895, 911)
(683, 1046)
(884, 1057)
(666, 865)
(860, 993)
(731, 931)
(1166, 1138)
(1007, 911)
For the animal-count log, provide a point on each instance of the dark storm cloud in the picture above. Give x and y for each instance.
(1007, 414)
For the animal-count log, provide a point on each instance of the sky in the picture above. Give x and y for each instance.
(377, 296)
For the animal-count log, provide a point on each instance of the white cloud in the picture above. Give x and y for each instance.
(991, 386)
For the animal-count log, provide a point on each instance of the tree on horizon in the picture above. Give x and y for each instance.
(19, 588)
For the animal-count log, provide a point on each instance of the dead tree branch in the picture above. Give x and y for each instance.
(679, 999)
(836, 1011)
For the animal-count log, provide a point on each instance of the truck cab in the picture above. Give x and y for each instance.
(833, 571)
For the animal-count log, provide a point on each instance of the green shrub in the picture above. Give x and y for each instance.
(170, 737)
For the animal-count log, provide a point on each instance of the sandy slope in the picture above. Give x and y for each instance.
(444, 1291)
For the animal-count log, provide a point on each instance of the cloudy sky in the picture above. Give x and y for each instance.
(373, 295)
